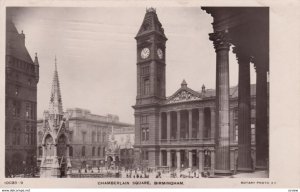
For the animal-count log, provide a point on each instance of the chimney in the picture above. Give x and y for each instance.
(22, 37)
(203, 88)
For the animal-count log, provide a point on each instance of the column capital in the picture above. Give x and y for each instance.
(260, 64)
(220, 39)
(242, 56)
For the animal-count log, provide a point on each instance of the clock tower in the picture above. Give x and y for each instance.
(151, 88)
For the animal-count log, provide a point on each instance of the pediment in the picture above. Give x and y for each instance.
(183, 95)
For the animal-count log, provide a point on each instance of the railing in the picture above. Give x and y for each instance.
(187, 141)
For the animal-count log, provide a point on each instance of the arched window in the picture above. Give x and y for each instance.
(146, 87)
(71, 151)
(83, 151)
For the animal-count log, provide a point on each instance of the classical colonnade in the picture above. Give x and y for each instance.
(247, 30)
(188, 124)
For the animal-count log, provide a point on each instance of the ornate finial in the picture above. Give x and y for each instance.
(35, 54)
(55, 63)
(151, 9)
(183, 84)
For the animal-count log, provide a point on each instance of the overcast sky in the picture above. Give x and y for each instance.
(96, 54)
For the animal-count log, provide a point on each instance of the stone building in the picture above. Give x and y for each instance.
(246, 29)
(123, 138)
(183, 130)
(21, 79)
(88, 137)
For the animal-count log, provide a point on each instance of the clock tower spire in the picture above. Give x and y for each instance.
(151, 87)
(151, 46)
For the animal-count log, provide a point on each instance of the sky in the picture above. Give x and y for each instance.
(96, 53)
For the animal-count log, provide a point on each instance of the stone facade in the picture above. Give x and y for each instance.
(88, 137)
(180, 131)
(123, 137)
(21, 79)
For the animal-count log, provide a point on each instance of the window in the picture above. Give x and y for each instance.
(98, 137)
(145, 134)
(71, 151)
(236, 133)
(99, 151)
(28, 110)
(252, 133)
(93, 137)
(83, 151)
(26, 138)
(83, 136)
(145, 155)
(16, 139)
(144, 119)
(16, 108)
(93, 151)
(17, 90)
(207, 122)
(146, 86)
(158, 86)
(253, 113)
(103, 137)
(29, 82)
(145, 70)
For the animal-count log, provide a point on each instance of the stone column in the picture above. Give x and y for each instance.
(212, 162)
(212, 123)
(201, 123)
(201, 160)
(221, 44)
(178, 159)
(159, 127)
(169, 158)
(168, 126)
(190, 159)
(262, 127)
(244, 106)
(178, 125)
(190, 124)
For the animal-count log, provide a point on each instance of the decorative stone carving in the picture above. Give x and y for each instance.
(221, 39)
(183, 96)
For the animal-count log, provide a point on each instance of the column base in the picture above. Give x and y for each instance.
(223, 172)
(261, 167)
(245, 170)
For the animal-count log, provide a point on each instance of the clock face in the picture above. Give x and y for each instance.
(145, 53)
(160, 53)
